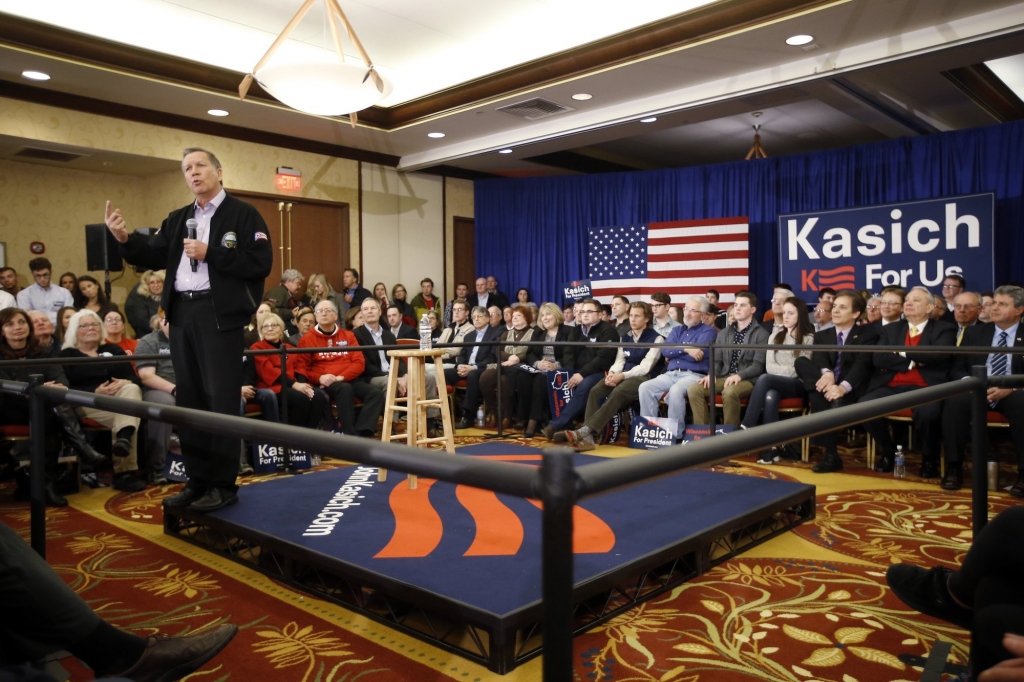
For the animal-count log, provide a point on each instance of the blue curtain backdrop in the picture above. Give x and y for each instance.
(532, 232)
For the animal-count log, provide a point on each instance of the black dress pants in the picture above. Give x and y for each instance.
(208, 368)
(809, 374)
(303, 411)
(956, 425)
(927, 422)
(344, 393)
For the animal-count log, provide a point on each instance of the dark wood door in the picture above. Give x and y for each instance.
(464, 252)
(310, 236)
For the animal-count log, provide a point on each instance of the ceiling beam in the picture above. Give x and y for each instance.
(988, 91)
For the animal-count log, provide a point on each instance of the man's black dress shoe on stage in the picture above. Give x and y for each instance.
(214, 499)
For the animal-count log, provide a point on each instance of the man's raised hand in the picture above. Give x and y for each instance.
(115, 223)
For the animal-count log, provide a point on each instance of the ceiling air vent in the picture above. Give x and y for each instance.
(533, 109)
(46, 155)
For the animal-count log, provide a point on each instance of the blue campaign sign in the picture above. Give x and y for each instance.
(577, 291)
(908, 244)
(651, 433)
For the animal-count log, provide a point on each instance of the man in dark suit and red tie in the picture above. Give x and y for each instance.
(1003, 331)
(833, 378)
(900, 372)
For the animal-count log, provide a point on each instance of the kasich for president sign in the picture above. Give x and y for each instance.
(906, 244)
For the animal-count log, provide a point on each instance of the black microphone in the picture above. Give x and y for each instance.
(191, 224)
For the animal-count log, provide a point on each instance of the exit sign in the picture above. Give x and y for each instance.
(288, 179)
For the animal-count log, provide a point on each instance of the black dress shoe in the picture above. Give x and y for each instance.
(122, 447)
(832, 462)
(214, 499)
(170, 658)
(884, 465)
(531, 429)
(927, 591)
(1018, 488)
(464, 423)
(183, 499)
(954, 478)
(53, 498)
(929, 469)
(127, 482)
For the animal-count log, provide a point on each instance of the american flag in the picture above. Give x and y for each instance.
(681, 258)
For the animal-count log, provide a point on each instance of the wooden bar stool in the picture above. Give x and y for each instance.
(415, 403)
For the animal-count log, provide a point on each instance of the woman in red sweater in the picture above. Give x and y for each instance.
(305, 403)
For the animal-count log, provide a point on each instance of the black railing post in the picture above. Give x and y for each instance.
(712, 387)
(558, 493)
(37, 465)
(282, 408)
(979, 443)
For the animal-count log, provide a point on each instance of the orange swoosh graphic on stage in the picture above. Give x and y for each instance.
(499, 532)
(418, 526)
(590, 535)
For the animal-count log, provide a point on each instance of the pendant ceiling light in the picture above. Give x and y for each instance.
(324, 88)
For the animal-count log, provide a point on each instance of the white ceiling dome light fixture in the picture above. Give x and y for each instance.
(35, 75)
(797, 40)
(321, 88)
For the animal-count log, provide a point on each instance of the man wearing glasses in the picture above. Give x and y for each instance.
(773, 323)
(42, 295)
(892, 305)
(663, 322)
(590, 362)
(823, 316)
(952, 286)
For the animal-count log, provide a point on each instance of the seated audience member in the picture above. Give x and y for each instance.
(461, 291)
(496, 318)
(380, 294)
(939, 311)
(897, 373)
(456, 332)
(69, 281)
(113, 325)
(304, 321)
(471, 363)
(531, 389)
(966, 309)
(143, 301)
(710, 318)
(425, 301)
(982, 596)
(304, 404)
(873, 312)
(606, 313)
(90, 296)
(354, 319)
(589, 363)
(264, 398)
(569, 315)
(105, 378)
(338, 373)
(715, 299)
(511, 355)
(686, 366)
(779, 380)
(398, 296)
(9, 281)
(1003, 330)
(824, 294)
(663, 322)
(892, 305)
(49, 345)
(822, 316)
(42, 295)
(310, 291)
(834, 379)
(351, 288)
(378, 364)
(499, 298)
(321, 290)
(480, 296)
(779, 290)
(252, 330)
(736, 370)
(18, 342)
(620, 315)
(773, 324)
(506, 316)
(63, 319)
(713, 296)
(675, 311)
(159, 385)
(730, 318)
(436, 329)
(632, 367)
(952, 286)
(986, 305)
(289, 295)
(397, 325)
(523, 296)
(42, 616)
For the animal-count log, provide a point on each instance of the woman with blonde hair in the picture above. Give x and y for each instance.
(321, 290)
(143, 301)
(531, 389)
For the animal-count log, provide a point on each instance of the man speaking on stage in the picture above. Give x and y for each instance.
(217, 254)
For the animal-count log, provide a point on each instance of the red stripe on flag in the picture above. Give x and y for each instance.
(736, 220)
(702, 255)
(677, 274)
(647, 290)
(699, 239)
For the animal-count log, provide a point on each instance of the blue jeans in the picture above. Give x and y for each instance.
(578, 405)
(675, 384)
(763, 404)
(267, 401)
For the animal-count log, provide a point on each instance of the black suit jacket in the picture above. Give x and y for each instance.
(497, 298)
(239, 256)
(981, 335)
(372, 357)
(407, 332)
(486, 354)
(597, 357)
(564, 333)
(855, 368)
(934, 367)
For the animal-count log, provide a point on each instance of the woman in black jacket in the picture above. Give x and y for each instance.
(531, 389)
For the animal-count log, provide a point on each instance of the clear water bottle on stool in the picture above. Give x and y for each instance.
(480, 417)
(899, 469)
(425, 340)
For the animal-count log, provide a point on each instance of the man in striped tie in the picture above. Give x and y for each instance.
(1003, 331)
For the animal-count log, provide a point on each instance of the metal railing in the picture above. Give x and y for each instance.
(557, 483)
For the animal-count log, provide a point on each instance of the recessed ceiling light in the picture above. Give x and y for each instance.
(504, 151)
(802, 39)
(582, 96)
(217, 112)
(435, 135)
(36, 75)
(649, 119)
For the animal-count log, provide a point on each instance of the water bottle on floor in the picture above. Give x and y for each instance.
(899, 469)
(425, 339)
(480, 418)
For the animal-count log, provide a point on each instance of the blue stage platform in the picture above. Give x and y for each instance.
(461, 566)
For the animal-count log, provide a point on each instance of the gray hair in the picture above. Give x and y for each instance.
(71, 335)
(328, 301)
(479, 309)
(925, 291)
(702, 302)
(191, 150)
(975, 294)
(786, 293)
(290, 275)
(1014, 292)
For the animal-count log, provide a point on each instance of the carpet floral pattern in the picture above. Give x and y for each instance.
(768, 619)
(923, 527)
